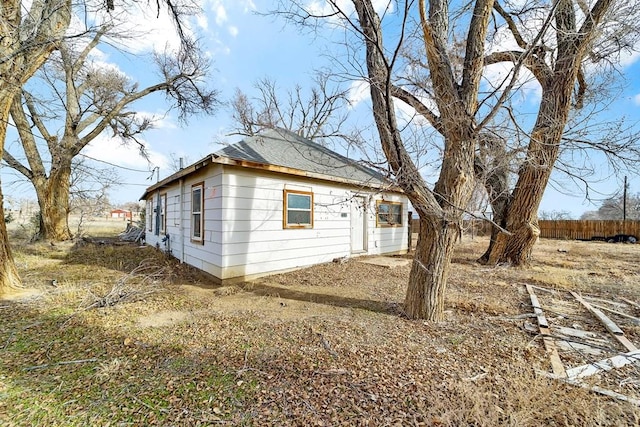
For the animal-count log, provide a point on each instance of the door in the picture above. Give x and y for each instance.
(358, 224)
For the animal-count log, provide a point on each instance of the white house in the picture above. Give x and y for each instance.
(272, 203)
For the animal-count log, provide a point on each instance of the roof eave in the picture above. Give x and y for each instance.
(307, 174)
(180, 174)
(212, 158)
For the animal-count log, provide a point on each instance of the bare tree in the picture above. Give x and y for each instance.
(556, 60)
(613, 208)
(554, 215)
(454, 100)
(26, 43)
(95, 100)
(319, 114)
(29, 32)
(440, 209)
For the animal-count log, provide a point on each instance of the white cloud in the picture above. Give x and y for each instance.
(323, 8)
(500, 75)
(159, 120)
(202, 21)
(221, 14)
(140, 28)
(249, 6)
(233, 30)
(629, 58)
(358, 92)
(636, 99)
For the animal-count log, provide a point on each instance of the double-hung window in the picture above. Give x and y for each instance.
(298, 209)
(149, 214)
(389, 214)
(163, 213)
(197, 212)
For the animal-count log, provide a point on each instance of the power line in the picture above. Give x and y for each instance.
(113, 164)
(85, 156)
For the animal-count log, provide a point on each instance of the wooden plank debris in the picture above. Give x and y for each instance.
(549, 344)
(633, 319)
(537, 309)
(606, 301)
(594, 343)
(540, 288)
(586, 342)
(604, 365)
(628, 301)
(568, 345)
(578, 333)
(594, 388)
(608, 323)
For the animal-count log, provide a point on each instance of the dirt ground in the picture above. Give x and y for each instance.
(327, 345)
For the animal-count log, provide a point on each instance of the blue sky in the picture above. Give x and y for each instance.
(246, 47)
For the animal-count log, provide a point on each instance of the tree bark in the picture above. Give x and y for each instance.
(440, 210)
(521, 218)
(544, 143)
(499, 205)
(53, 199)
(491, 167)
(430, 270)
(10, 282)
(26, 45)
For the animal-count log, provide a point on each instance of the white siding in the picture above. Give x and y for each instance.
(206, 256)
(384, 240)
(244, 236)
(255, 241)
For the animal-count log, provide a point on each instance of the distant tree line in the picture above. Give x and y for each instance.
(613, 208)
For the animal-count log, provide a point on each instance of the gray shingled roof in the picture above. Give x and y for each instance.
(280, 147)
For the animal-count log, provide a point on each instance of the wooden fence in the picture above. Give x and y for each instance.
(559, 229)
(473, 227)
(586, 229)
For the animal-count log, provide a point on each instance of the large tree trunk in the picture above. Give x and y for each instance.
(430, 270)
(440, 210)
(499, 205)
(10, 282)
(544, 145)
(522, 211)
(491, 167)
(26, 45)
(53, 199)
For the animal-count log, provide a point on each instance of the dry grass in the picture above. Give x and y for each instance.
(326, 345)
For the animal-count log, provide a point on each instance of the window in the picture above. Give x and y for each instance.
(163, 213)
(149, 214)
(389, 214)
(197, 211)
(298, 209)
